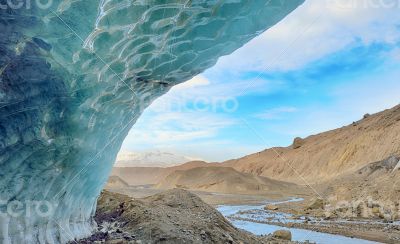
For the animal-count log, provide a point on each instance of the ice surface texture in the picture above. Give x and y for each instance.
(74, 77)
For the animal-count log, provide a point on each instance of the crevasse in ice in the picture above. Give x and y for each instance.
(74, 77)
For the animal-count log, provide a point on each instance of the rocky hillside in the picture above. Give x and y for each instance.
(175, 216)
(329, 154)
(224, 180)
(376, 181)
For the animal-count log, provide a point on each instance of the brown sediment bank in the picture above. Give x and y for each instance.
(343, 221)
(175, 216)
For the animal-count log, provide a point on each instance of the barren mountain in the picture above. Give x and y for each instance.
(224, 180)
(329, 154)
(151, 175)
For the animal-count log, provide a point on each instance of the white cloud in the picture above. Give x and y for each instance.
(218, 87)
(315, 29)
(194, 82)
(177, 128)
(212, 95)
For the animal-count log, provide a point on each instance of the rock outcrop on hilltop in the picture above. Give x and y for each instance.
(297, 142)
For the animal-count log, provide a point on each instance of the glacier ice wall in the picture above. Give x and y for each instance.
(74, 77)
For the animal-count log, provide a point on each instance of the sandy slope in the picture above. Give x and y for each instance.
(329, 154)
(224, 180)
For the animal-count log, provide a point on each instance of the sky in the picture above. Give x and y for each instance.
(322, 67)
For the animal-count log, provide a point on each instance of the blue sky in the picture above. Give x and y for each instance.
(322, 67)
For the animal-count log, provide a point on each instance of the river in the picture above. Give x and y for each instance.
(237, 213)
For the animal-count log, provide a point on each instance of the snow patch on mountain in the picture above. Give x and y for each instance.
(150, 159)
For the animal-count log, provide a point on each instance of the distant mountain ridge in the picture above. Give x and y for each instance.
(150, 159)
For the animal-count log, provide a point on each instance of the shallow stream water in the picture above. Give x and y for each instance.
(257, 213)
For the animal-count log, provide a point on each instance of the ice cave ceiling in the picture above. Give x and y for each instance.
(74, 77)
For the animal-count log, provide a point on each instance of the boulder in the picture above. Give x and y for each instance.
(290, 225)
(397, 166)
(271, 207)
(298, 142)
(376, 211)
(317, 204)
(283, 235)
(391, 163)
(229, 238)
(330, 215)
